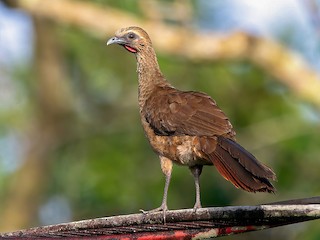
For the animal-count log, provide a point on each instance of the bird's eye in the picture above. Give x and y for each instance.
(131, 35)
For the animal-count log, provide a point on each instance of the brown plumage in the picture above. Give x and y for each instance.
(188, 128)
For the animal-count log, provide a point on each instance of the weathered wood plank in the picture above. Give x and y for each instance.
(182, 224)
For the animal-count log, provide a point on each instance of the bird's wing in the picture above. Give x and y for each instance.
(173, 112)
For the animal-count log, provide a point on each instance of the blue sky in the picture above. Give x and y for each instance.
(15, 36)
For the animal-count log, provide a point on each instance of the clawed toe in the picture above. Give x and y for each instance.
(159, 209)
(196, 207)
(143, 211)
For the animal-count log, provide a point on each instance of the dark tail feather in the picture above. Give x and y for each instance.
(240, 167)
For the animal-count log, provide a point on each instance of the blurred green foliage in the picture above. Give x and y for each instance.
(107, 167)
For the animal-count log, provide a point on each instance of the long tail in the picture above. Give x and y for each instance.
(239, 166)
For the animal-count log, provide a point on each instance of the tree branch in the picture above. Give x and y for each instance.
(183, 224)
(286, 66)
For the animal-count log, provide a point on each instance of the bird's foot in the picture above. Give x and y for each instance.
(163, 208)
(197, 205)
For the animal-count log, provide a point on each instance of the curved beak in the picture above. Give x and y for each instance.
(116, 40)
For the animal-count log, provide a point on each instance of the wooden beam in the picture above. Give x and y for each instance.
(182, 224)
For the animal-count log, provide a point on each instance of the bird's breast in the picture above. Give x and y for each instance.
(181, 149)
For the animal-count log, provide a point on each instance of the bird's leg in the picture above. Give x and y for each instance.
(196, 172)
(166, 166)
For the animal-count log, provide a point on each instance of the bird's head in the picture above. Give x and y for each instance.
(134, 39)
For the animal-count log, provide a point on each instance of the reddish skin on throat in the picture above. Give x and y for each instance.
(130, 49)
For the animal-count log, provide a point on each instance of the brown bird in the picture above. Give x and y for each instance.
(187, 127)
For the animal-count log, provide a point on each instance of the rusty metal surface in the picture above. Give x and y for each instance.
(180, 224)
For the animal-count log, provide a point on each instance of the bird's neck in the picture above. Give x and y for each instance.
(150, 76)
